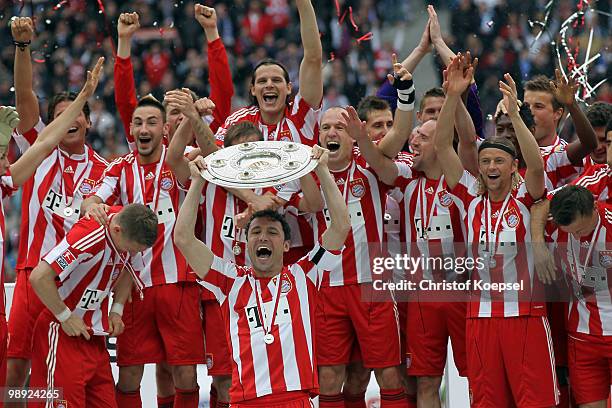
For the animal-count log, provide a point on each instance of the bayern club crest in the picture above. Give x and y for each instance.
(166, 182)
(605, 259)
(286, 285)
(209, 361)
(86, 186)
(358, 188)
(445, 198)
(512, 218)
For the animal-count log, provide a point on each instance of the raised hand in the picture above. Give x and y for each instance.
(565, 89)
(204, 106)
(508, 88)
(435, 33)
(206, 16)
(321, 154)
(401, 78)
(355, 127)
(22, 29)
(425, 42)
(128, 24)
(93, 77)
(183, 101)
(196, 166)
(458, 75)
(9, 119)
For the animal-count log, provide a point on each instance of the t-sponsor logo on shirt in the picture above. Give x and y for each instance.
(445, 198)
(357, 188)
(605, 259)
(512, 217)
(166, 182)
(65, 259)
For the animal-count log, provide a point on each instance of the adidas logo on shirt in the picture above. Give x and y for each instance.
(68, 170)
(429, 190)
(149, 176)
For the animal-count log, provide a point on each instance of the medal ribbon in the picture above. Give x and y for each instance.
(125, 264)
(79, 180)
(255, 283)
(576, 258)
(423, 204)
(141, 179)
(488, 219)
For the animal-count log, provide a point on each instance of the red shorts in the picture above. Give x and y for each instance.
(430, 324)
(293, 399)
(557, 315)
(402, 314)
(511, 362)
(166, 325)
(218, 353)
(590, 366)
(344, 314)
(80, 368)
(24, 310)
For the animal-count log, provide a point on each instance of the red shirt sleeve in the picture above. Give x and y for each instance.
(125, 95)
(221, 85)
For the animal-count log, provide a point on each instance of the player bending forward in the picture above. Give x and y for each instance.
(269, 308)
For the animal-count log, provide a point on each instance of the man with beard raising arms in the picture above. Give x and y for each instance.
(152, 331)
(51, 199)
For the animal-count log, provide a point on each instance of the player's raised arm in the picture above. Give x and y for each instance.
(534, 175)
(198, 255)
(53, 133)
(125, 88)
(22, 29)
(403, 121)
(422, 49)
(458, 77)
(384, 167)
(565, 92)
(175, 157)
(311, 76)
(334, 236)
(219, 72)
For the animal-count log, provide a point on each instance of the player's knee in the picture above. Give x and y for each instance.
(16, 372)
(388, 377)
(222, 383)
(357, 379)
(185, 377)
(428, 386)
(129, 378)
(164, 381)
(331, 379)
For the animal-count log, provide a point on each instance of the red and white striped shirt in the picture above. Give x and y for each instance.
(513, 259)
(289, 362)
(597, 180)
(46, 195)
(122, 184)
(365, 196)
(434, 224)
(6, 190)
(590, 310)
(300, 123)
(87, 264)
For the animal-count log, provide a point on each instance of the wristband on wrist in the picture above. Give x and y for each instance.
(117, 308)
(405, 94)
(22, 44)
(64, 315)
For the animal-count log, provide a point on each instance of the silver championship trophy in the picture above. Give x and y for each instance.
(258, 164)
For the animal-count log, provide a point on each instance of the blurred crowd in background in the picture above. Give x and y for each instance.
(170, 49)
